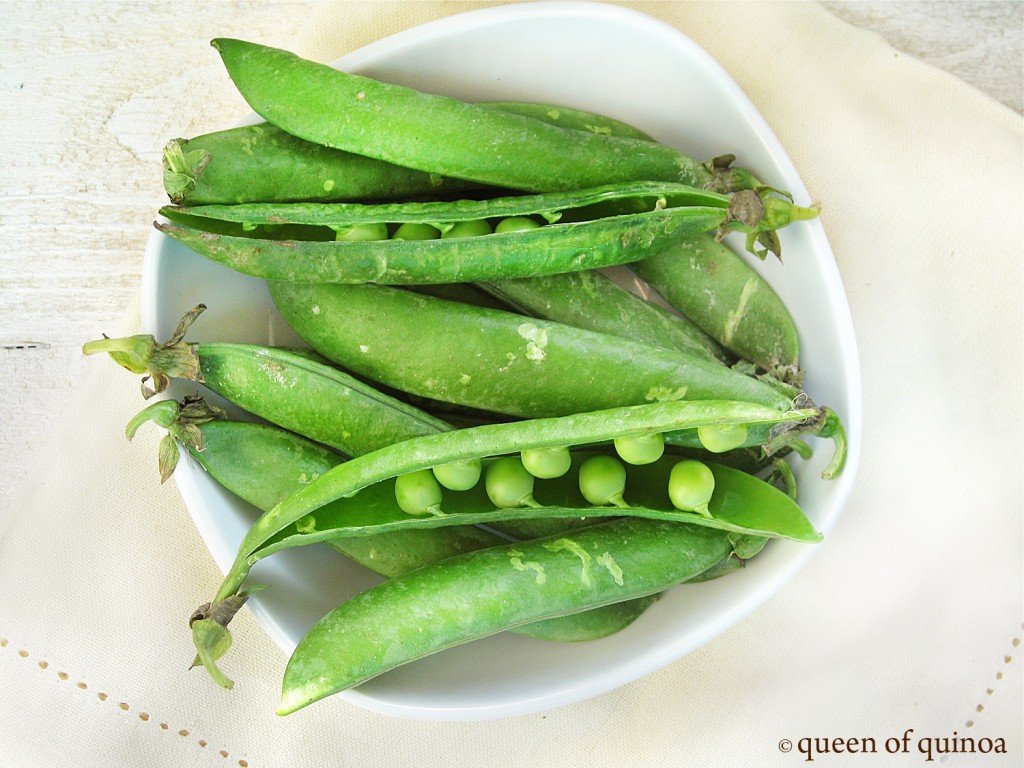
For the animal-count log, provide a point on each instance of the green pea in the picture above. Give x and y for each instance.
(515, 224)
(642, 449)
(723, 438)
(459, 475)
(603, 481)
(363, 232)
(414, 231)
(508, 484)
(468, 229)
(690, 486)
(547, 463)
(418, 493)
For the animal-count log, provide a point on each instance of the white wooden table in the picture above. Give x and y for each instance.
(92, 91)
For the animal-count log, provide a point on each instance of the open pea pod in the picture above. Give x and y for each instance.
(481, 442)
(495, 440)
(740, 504)
(589, 229)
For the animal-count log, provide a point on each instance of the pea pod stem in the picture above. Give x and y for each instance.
(143, 354)
(182, 422)
(826, 424)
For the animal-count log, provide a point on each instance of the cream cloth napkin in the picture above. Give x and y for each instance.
(909, 616)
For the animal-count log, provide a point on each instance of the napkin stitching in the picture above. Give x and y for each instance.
(122, 706)
(1007, 660)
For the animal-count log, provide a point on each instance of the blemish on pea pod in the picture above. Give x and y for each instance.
(441, 135)
(410, 617)
(672, 213)
(264, 465)
(719, 292)
(262, 163)
(592, 301)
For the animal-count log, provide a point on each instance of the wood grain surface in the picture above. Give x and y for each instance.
(92, 91)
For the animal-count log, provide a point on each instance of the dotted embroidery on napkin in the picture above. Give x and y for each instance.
(1007, 659)
(122, 705)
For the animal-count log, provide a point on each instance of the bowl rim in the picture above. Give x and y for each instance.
(644, 661)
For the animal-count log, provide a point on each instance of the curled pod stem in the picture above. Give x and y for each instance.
(144, 354)
(182, 423)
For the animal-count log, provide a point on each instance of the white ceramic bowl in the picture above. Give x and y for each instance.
(599, 58)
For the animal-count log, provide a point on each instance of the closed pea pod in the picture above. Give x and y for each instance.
(507, 365)
(262, 163)
(503, 362)
(408, 618)
(266, 381)
(718, 291)
(441, 135)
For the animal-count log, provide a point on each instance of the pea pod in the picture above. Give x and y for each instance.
(264, 465)
(440, 135)
(741, 504)
(592, 301)
(246, 237)
(719, 292)
(359, 474)
(285, 387)
(441, 606)
(492, 440)
(262, 163)
(502, 362)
